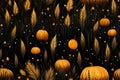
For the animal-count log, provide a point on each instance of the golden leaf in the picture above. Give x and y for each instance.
(7, 17)
(27, 5)
(15, 8)
(13, 33)
(16, 60)
(45, 56)
(9, 2)
(23, 49)
(57, 11)
(82, 41)
(114, 43)
(67, 20)
(107, 52)
(96, 46)
(69, 5)
(53, 45)
(113, 6)
(79, 59)
(22, 72)
(33, 18)
(83, 16)
(96, 26)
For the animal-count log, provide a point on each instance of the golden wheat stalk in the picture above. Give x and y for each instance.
(27, 5)
(22, 72)
(53, 45)
(96, 26)
(114, 43)
(113, 6)
(23, 48)
(49, 74)
(45, 56)
(33, 18)
(83, 16)
(69, 5)
(96, 46)
(67, 20)
(9, 2)
(79, 59)
(107, 52)
(57, 11)
(82, 40)
(15, 8)
(33, 71)
(74, 70)
(13, 33)
(16, 60)
(0, 53)
(7, 17)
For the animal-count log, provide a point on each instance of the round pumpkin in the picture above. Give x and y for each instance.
(94, 73)
(104, 22)
(116, 74)
(112, 32)
(62, 65)
(35, 50)
(94, 2)
(6, 74)
(42, 35)
(72, 44)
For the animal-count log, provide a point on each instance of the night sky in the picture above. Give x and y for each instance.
(25, 35)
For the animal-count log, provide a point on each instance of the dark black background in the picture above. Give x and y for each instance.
(64, 34)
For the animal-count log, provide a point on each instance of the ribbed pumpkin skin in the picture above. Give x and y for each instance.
(112, 32)
(6, 74)
(62, 65)
(116, 74)
(42, 35)
(104, 22)
(35, 50)
(94, 73)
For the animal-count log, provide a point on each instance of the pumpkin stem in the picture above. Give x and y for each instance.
(91, 64)
(62, 57)
(104, 16)
(35, 45)
(43, 27)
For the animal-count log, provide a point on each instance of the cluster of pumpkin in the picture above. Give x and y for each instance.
(106, 22)
(43, 35)
(72, 44)
(88, 73)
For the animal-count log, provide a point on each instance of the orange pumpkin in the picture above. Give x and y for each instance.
(6, 74)
(94, 73)
(94, 2)
(112, 32)
(116, 74)
(62, 65)
(72, 44)
(42, 35)
(104, 22)
(35, 50)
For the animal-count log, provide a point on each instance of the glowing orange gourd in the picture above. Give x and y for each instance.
(72, 44)
(42, 35)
